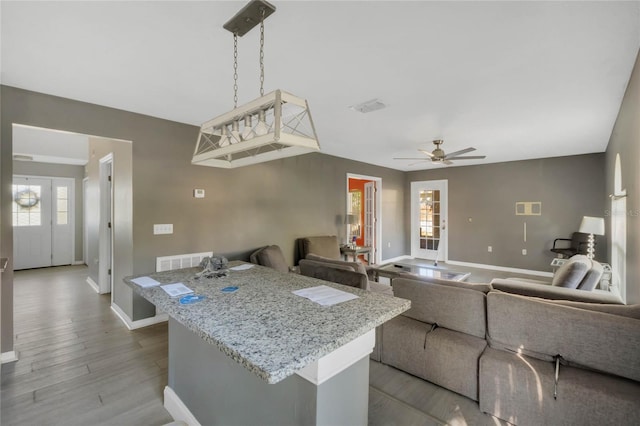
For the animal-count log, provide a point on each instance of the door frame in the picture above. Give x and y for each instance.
(442, 255)
(105, 250)
(377, 249)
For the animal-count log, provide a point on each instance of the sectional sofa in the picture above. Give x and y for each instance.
(564, 357)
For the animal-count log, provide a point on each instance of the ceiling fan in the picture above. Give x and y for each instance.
(439, 156)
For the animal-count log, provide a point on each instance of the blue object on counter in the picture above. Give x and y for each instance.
(191, 299)
(230, 289)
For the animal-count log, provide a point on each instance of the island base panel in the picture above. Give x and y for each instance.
(219, 391)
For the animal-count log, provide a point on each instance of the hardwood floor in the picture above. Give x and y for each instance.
(79, 365)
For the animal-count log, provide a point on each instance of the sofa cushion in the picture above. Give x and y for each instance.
(325, 246)
(546, 291)
(357, 266)
(458, 309)
(335, 273)
(592, 278)
(631, 311)
(519, 389)
(253, 257)
(403, 344)
(272, 257)
(570, 274)
(451, 360)
(592, 339)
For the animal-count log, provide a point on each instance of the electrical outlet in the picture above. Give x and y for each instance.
(489, 249)
(165, 228)
(524, 252)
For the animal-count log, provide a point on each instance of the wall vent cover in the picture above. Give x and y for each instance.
(169, 263)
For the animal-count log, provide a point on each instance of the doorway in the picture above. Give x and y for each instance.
(429, 236)
(363, 213)
(106, 228)
(43, 221)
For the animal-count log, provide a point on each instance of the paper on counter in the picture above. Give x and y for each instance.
(177, 289)
(145, 282)
(242, 267)
(325, 295)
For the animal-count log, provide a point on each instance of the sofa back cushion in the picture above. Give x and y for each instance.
(325, 246)
(581, 337)
(555, 293)
(357, 266)
(570, 274)
(592, 278)
(458, 309)
(272, 257)
(339, 274)
(483, 287)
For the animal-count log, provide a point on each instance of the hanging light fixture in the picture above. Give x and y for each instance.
(275, 125)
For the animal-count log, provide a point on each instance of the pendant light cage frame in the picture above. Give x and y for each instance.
(273, 126)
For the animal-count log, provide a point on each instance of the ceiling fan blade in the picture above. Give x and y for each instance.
(462, 151)
(470, 157)
(447, 162)
(417, 162)
(426, 153)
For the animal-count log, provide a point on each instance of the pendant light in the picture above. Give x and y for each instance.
(275, 125)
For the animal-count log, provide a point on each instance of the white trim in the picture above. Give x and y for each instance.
(174, 405)
(145, 322)
(377, 258)
(93, 285)
(339, 360)
(77, 262)
(501, 268)
(7, 357)
(397, 259)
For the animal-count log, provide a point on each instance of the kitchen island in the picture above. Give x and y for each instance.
(263, 355)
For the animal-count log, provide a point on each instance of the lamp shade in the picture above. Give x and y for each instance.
(592, 225)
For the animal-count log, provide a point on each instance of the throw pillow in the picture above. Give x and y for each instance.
(570, 274)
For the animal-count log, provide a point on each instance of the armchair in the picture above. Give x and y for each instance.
(577, 244)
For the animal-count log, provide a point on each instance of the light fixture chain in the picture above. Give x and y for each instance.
(235, 70)
(262, 53)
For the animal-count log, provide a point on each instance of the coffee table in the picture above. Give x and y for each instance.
(393, 270)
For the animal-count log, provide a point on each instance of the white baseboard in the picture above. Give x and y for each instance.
(6, 357)
(395, 259)
(501, 268)
(132, 325)
(174, 405)
(77, 262)
(93, 285)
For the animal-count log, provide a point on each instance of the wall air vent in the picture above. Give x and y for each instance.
(369, 106)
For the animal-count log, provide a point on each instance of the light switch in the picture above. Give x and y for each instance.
(164, 228)
(198, 193)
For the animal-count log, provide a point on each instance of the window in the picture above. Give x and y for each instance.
(26, 206)
(62, 205)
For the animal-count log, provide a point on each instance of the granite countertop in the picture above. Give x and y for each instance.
(264, 326)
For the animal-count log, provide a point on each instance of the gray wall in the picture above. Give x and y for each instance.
(60, 170)
(568, 187)
(270, 203)
(625, 140)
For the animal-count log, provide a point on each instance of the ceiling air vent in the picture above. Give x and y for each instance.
(369, 106)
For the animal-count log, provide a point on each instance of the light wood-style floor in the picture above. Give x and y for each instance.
(79, 365)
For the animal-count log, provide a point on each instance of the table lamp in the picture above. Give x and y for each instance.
(592, 226)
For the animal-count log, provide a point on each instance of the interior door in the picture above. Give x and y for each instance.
(31, 208)
(429, 220)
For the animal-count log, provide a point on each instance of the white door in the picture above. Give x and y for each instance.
(369, 213)
(429, 220)
(31, 208)
(105, 243)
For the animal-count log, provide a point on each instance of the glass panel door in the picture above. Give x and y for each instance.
(429, 220)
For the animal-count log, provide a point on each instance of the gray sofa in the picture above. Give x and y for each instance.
(501, 349)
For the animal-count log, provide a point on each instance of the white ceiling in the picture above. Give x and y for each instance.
(50, 146)
(516, 80)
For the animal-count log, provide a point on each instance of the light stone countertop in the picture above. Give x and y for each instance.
(264, 326)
